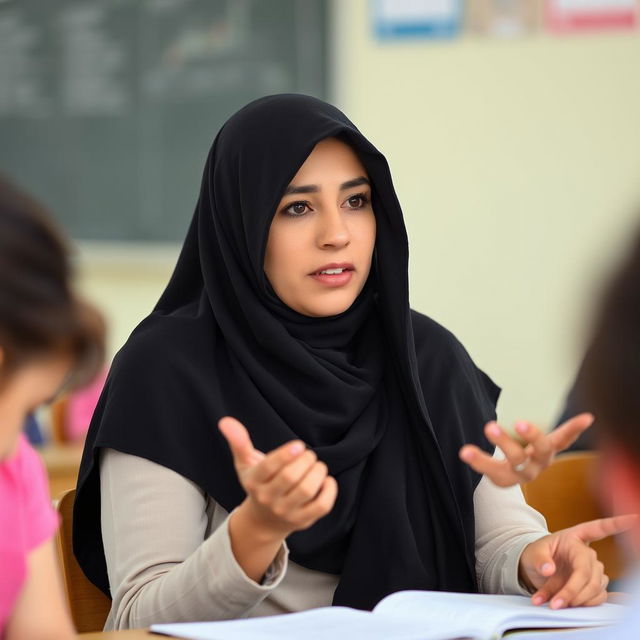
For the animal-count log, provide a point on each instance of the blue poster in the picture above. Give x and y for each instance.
(411, 19)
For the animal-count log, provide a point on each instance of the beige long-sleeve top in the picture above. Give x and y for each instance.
(169, 556)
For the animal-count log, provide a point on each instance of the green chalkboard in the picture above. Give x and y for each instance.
(108, 107)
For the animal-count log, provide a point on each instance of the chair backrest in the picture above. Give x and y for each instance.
(89, 606)
(58, 416)
(564, 494)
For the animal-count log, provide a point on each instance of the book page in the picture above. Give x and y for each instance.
(573, 634)
(333, 623)
(481, 615)
(408, 615)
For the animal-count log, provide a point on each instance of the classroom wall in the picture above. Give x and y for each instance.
(518, 167)
(517, 164)
(125, 281)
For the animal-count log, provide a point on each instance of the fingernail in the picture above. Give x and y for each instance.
(494, 429)
(296, 448)
(557, 604)
(538, 600)
(522, 427)
(546, 568)
(466, 454)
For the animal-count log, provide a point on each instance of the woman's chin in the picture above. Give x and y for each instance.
(326, 308)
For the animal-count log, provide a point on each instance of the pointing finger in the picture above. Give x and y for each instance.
(598, 529)
(567, 433)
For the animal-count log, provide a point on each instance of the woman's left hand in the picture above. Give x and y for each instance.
(564, 570)
(523, 461)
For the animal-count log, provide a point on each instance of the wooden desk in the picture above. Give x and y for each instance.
(132, 634)
(62, 462)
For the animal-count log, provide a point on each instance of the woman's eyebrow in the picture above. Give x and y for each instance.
(356, 182)
(313, 188)
(309, 188)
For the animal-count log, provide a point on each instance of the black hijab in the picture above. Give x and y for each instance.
(385, 396)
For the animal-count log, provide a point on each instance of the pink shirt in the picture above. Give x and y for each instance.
(81, 405)
(27, 519)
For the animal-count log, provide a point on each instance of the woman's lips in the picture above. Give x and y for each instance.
(334, 280)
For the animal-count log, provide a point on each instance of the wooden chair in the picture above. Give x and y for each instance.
(89, 606)
(62, 462)
(58, 415)
(564, 494)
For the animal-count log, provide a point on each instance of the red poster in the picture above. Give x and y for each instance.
(563, 16)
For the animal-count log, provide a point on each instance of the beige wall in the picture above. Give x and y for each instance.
(518, 167)
(125, 282)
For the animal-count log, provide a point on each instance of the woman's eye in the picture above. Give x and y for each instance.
(358, 201)
(297, 209)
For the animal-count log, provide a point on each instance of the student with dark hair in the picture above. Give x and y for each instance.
(338, 478)
(48, 339)
(608, 383)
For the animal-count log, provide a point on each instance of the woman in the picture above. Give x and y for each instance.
(45, 332)
(289, 311)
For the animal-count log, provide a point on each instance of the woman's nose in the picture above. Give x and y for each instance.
(333, 230)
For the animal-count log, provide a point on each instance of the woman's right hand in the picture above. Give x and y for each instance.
(288, 489)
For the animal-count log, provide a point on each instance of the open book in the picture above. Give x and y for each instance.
(406, 615)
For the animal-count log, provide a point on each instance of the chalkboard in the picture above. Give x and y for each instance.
(108, 107)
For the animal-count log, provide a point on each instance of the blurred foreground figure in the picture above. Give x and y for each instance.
(49, 339)
(609, 385)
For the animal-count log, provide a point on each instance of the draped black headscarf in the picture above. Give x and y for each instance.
(384, 395)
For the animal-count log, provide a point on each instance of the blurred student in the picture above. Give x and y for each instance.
(48, 339)
(575, 403)
(608, 384)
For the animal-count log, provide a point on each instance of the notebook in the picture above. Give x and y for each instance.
(406, 615)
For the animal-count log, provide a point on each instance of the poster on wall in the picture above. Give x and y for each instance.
(502, 18)
(566, 16)
(416, 19)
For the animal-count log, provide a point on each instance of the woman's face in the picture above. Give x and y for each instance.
(30, 386)
(322, 236)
